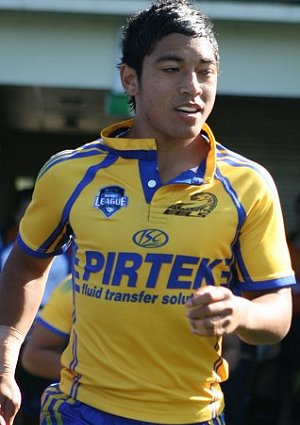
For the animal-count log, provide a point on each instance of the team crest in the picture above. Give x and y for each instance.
(202, 204)
(110, 199)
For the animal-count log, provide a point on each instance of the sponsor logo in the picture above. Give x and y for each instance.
(203, 204)
(110, 199)
(131, 270)
(150, 238)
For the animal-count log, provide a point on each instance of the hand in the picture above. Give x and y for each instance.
(213, 311)
(10, 399)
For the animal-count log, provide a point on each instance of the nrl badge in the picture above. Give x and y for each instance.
(110, 199)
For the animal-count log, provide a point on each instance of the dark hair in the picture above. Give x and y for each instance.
(144, 29)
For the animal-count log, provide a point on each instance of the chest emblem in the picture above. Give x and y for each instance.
(202, 204)
(110, 199)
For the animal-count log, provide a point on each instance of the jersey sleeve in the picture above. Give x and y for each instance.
(263, 259)
(43, 230)
(56, 316)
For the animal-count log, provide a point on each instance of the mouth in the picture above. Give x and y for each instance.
(189, 108)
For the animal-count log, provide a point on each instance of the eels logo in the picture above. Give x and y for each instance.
(202, 205)
(150, 238)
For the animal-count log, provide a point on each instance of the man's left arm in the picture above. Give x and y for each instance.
(266, 316)
(256, 317)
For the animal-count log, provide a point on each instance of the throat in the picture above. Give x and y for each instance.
(171, 164)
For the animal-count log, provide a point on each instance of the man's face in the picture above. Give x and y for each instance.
(177, 88)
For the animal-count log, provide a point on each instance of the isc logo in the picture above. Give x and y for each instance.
(150, 238)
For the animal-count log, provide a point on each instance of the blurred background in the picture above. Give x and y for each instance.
(57, 87)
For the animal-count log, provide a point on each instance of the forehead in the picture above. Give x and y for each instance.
(183, 47)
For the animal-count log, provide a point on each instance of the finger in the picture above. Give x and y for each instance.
(9, 411)
(209, 326)
(205, 296)
(198, 300)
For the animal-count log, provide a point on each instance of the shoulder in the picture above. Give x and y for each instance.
(240, 167)
(86, 154)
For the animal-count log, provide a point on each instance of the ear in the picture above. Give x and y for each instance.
(129, 80)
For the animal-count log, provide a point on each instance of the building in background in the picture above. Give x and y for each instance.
(57, 88)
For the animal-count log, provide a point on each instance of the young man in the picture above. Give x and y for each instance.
(163, 221)
(41, 354)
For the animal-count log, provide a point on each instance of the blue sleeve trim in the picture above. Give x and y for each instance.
(281, 282)
(52, 328)
(38, 254)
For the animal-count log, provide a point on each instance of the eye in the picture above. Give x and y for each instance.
(170, 69)
(207, 72)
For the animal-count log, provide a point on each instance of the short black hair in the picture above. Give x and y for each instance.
(144, 29)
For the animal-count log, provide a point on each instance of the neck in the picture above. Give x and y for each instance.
(173, 160)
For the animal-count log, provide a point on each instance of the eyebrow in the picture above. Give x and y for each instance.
(176, 58)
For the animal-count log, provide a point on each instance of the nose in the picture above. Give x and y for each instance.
(191, 85)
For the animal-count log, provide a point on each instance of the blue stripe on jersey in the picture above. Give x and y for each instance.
(241, 219)
(74, 362)
(233, 195)
(51, 328)
(239, 161)
(67, 155)
(241, 264)
(75, 386)
(77, 288)
(74, 301)
(233, 161)
(88, 177)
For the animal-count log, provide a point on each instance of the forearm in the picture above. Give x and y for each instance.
(265, 319)
(21, 289)
(10, 343)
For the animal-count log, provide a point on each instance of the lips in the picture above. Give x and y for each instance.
(189, 109)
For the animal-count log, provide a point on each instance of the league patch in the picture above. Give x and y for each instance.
(202, 205)
(110, 199)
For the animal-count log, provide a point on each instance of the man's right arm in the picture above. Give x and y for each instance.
(22, 283)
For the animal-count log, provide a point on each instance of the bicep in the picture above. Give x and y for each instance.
(285, 293)
(20, 262)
